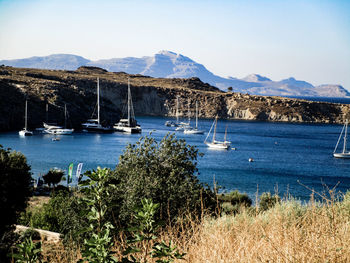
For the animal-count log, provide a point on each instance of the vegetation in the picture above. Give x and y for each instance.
(268, 201)
(234, 201)
(53, 177)
(15, 180)
(164, 172)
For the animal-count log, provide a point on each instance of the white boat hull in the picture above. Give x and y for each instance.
(221, 146)
(193, 131)
(342, 155)
(59, 131)
(25, 133)
(136, 129)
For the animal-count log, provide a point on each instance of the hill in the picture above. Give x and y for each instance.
(166, 64)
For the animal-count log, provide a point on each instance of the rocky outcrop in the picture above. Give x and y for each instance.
(151, 96)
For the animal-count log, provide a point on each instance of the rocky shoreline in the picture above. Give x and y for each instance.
(151, 96)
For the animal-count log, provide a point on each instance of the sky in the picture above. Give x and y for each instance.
(308, 40)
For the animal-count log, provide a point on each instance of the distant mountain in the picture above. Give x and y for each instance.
(167, 64)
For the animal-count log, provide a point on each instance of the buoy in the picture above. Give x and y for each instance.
(251, 160)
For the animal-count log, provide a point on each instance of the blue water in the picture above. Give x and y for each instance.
(283, 154)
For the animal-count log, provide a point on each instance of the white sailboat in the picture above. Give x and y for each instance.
(128, 125)
(94, 125)
(191, 130)
(345, 154)
(58, 130)
(171, 123)
(185, 125)
(48, 125)
(225, 145)
(25, 131)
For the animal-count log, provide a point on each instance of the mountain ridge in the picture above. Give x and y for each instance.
(168, 64)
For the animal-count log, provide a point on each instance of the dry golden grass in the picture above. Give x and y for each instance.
(289, 232)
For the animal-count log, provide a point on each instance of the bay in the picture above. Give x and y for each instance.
(288, 158)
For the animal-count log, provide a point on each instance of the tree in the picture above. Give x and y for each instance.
(15, 180)
(53, 177)
(164, 172)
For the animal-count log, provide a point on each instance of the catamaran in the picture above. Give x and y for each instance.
(58, 130)
(345, 154)
(128, 125)
(172, 123)
(25, 131)
(185, 125)
(225, 145)
(94, 125)
(191, 130)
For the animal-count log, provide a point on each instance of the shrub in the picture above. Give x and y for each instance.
(15, 181)
(164, 172)
(268, 201)
(234, 201)
(53, 177)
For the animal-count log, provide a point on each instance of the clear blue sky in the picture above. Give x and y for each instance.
(309, 40)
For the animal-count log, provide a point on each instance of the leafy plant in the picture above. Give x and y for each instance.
(28, 251)
(97, 248)
(268, 201)
(164, 172)
(15, 189)
(53, 177)
(234, 201)
(143, 233)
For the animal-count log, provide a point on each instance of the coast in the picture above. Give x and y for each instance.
(151, 97)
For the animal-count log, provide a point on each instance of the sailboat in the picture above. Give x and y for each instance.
(345, 154)
(25, 132)
(171, 123)
(94, 125)
(48, 125)
(195, 130)
(58, 130)
(128, 125)
(185, 125)
(225, 145)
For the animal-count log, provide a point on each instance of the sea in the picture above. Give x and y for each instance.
(291, 159)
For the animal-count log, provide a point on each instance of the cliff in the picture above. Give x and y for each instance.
(151, 96)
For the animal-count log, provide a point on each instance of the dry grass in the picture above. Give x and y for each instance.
(289, 232)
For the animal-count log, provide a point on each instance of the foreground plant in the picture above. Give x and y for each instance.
(143, 233)
(28, 251)
(98, 248)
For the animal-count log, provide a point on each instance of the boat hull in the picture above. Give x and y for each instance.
(342, 155)
(220, 146)
(127, 129)
(59, 131)
(193, 131)
(25, 133)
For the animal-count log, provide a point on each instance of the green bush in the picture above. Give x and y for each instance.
(63, 214)
(234, 201)
(268, 201)
(15, 189)
(164, 172)
(53, 177)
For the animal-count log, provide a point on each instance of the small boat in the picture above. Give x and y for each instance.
(214, 144)
(94, 125)
(172, 123)
(130, 124)
(59, 130)
(345, 154)
(25, 131)
(195, 130)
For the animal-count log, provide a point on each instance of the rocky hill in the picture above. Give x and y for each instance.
(151, 96)
(167, 64)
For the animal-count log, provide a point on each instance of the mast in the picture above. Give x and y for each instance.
(65, 115)
(98, 100)
(345, 136)
(47, 112)
(129, 102)
(225, 133)
(177, 109)
(189, 111)
(216, 122)
(196, 114)
(25, 116)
